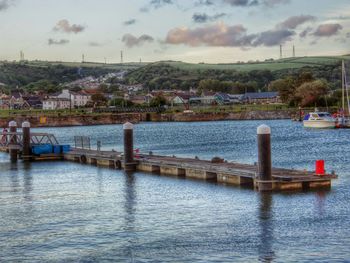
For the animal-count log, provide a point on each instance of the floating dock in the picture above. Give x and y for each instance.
(227, 173)
(260, 176)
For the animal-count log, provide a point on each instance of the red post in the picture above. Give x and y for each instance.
(320, 167)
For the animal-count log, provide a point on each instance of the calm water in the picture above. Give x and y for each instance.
(62, 212)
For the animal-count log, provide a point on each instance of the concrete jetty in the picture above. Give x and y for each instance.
(261, 176)
(228, 173)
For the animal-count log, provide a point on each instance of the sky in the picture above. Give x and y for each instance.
(209, 31)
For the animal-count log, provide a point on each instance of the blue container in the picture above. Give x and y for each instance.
(65, 148)
(57, 149)
(42, 149)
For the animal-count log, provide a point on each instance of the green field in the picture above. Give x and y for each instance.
(287, 63)
(280, 64)
(45, 64)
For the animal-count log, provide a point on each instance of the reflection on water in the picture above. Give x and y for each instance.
(67, 212)
(129, 214)
(266, 253)
(27, 181)
(13, 167)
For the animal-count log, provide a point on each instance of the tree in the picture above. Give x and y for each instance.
(304, 76)
(285, 87)
(99, 99)
(158, 101)
(103, 88)
(310, 92)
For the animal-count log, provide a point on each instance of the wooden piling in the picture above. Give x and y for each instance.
(264, 158)
(13, 147)
(26, 150)
(129, 164)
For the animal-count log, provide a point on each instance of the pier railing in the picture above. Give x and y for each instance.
(11, 138)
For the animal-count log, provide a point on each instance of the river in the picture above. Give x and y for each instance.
(62, 212)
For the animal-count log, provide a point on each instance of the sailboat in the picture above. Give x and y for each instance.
(343, 120)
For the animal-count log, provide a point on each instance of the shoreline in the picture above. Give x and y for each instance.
(120, 118)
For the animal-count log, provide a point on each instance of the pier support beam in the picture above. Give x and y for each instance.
(129, 164)
(13, 147)
(26, 151)
(264, 158)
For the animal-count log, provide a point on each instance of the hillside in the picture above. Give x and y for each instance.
(172, 74)
(275, 65)
(24, 73)
(252, 76)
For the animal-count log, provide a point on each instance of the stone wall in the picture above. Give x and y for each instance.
(104, 119)
(56, 121)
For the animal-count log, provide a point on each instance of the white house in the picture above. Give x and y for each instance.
(79, 99)
(56, 104)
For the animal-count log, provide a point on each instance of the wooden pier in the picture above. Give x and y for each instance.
(260, 176)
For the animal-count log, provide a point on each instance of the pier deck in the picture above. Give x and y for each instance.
(227, 172)
(19, 144)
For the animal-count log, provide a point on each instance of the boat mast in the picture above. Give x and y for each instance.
(346, 87)
(342, 86)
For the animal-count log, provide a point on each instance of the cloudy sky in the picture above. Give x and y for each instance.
(209, 31)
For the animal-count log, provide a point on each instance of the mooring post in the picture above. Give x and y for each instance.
(26, 150)
(13, 142)
(264, 158)
(129, 164)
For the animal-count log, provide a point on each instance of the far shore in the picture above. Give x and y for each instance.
(119, 118)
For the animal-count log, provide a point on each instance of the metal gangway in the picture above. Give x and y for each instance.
(8, 139)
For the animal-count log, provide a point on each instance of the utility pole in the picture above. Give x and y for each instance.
(83, 58)
(293, 51)
(281, 55)
(70, 102)
(121, 57)
(21, 56)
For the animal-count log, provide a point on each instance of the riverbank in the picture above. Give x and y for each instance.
(105, 119)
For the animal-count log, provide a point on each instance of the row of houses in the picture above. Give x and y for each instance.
(225, 99)
(18, 101)
(206, 98)
(64, 99)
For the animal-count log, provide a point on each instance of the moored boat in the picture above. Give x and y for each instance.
(321, 120)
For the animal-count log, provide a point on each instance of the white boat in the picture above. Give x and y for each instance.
(321, 120)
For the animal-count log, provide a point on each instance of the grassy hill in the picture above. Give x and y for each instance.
(114, 67)
(275, 65)
(24, 73)
(170, 74)
(253, 75)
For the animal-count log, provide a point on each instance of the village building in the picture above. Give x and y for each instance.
(78, 99)
(261, 97)
(56, 104)
(131, 88)
(4, 102)
(138, 99)
(34, 101)
(17, 101)
(203, 100)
